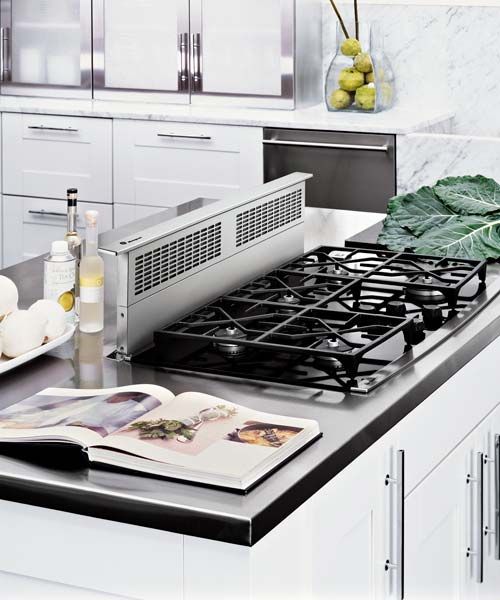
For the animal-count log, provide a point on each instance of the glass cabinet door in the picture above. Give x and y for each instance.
(242, 49)
(141, 48)
(45, 47)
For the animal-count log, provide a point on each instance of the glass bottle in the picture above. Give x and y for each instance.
(91, 279)
(74, 240)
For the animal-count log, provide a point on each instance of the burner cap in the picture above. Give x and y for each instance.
(288, 301)
(229, 348)
(333, 346)
(425, 295)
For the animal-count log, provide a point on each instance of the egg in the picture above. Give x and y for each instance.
(22, 331)
(53, 313)
(9, 296)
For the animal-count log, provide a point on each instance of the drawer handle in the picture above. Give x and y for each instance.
(185, 137)
(384, 148)
(44, 128)
(48, 213)
(397, 562)
(476, 549)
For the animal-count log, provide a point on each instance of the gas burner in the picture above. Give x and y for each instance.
(332, 346)
(427, 295)
(227, 348)
(288, 301)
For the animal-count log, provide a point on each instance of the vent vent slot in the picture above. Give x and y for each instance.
(269, 216)
(159, 265)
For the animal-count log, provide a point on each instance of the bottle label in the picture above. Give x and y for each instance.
(59, 285)
(92, 290)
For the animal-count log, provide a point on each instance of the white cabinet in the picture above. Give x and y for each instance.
(166, 164)
(31, 224)
(45, 155)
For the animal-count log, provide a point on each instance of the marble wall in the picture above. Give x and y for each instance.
(448, 55)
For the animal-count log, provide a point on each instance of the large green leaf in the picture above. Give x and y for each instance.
(395, 237)
(471, 237)
(421, 211)
(469, 195)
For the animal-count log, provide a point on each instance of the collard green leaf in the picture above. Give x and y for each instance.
(395, 237)
(469, 195)
(471, 237)
(421, 211)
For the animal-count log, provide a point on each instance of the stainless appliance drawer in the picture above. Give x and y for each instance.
(351, 171)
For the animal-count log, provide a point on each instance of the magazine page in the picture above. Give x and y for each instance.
(82, 416)
(204, 433)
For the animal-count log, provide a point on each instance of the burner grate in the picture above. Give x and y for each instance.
(335, 318)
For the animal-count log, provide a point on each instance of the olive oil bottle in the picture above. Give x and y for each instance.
(74, 241)
(91, 279)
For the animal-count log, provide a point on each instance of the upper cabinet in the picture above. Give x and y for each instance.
(262, 53)
(45, 48)
(141, 50)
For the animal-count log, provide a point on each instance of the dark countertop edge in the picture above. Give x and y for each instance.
(337, 462)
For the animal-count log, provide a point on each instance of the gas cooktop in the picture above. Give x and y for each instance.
(334, 318)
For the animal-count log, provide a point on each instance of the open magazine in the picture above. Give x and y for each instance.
(192, 436)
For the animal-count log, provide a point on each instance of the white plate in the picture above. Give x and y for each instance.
(7, 364)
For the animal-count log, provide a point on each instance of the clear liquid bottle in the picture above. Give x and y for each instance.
(74, 241)
(91, 279)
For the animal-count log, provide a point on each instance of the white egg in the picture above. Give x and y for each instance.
(9, 296)
(54, 315)
(22, 331)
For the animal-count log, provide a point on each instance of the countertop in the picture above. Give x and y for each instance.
(350, 424)
(398, 120)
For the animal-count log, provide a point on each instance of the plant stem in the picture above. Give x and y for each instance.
(339, 17)
(356, 18)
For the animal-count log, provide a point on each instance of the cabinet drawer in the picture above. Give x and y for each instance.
(166, 164)
(45, 155)
(31, 224)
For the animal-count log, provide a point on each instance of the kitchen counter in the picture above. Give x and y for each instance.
(398, 120)
(350, 424)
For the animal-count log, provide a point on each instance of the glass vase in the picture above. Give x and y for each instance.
(360, 77)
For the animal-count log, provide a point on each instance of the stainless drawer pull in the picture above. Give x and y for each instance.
(48, 213)
(477, 549)
(398, 565)
(384, 148)
(44, 128)
(497, 496)
(184, 137)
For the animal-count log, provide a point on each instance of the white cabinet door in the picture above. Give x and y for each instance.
(44, 155)
(31, 224)
(166, 164)
(489, 444)
(244, 45)
(442, 520)
(127, 213)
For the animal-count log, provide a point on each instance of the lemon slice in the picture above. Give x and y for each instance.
(67, 301)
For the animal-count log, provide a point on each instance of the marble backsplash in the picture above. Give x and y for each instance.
(443, 55)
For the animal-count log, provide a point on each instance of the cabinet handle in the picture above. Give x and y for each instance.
(44, 128)
(398, 564)
(48, 213)
(4, 53)
(183, 62)
(185, 137)
(496, 464)
(197, 75)
(384, 148)
(477, 549)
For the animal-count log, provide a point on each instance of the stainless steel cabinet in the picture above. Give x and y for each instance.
(46, 48)
(242, 52)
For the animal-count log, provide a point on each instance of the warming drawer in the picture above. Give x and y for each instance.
(351, 171)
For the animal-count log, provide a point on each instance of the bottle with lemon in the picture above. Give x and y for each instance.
(91, 279)
(59, 278)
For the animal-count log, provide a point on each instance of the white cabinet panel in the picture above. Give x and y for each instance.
(46, 155)
(166, 164)
(127, 213)
(31, 224)
(242, 46)
(96, 554)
